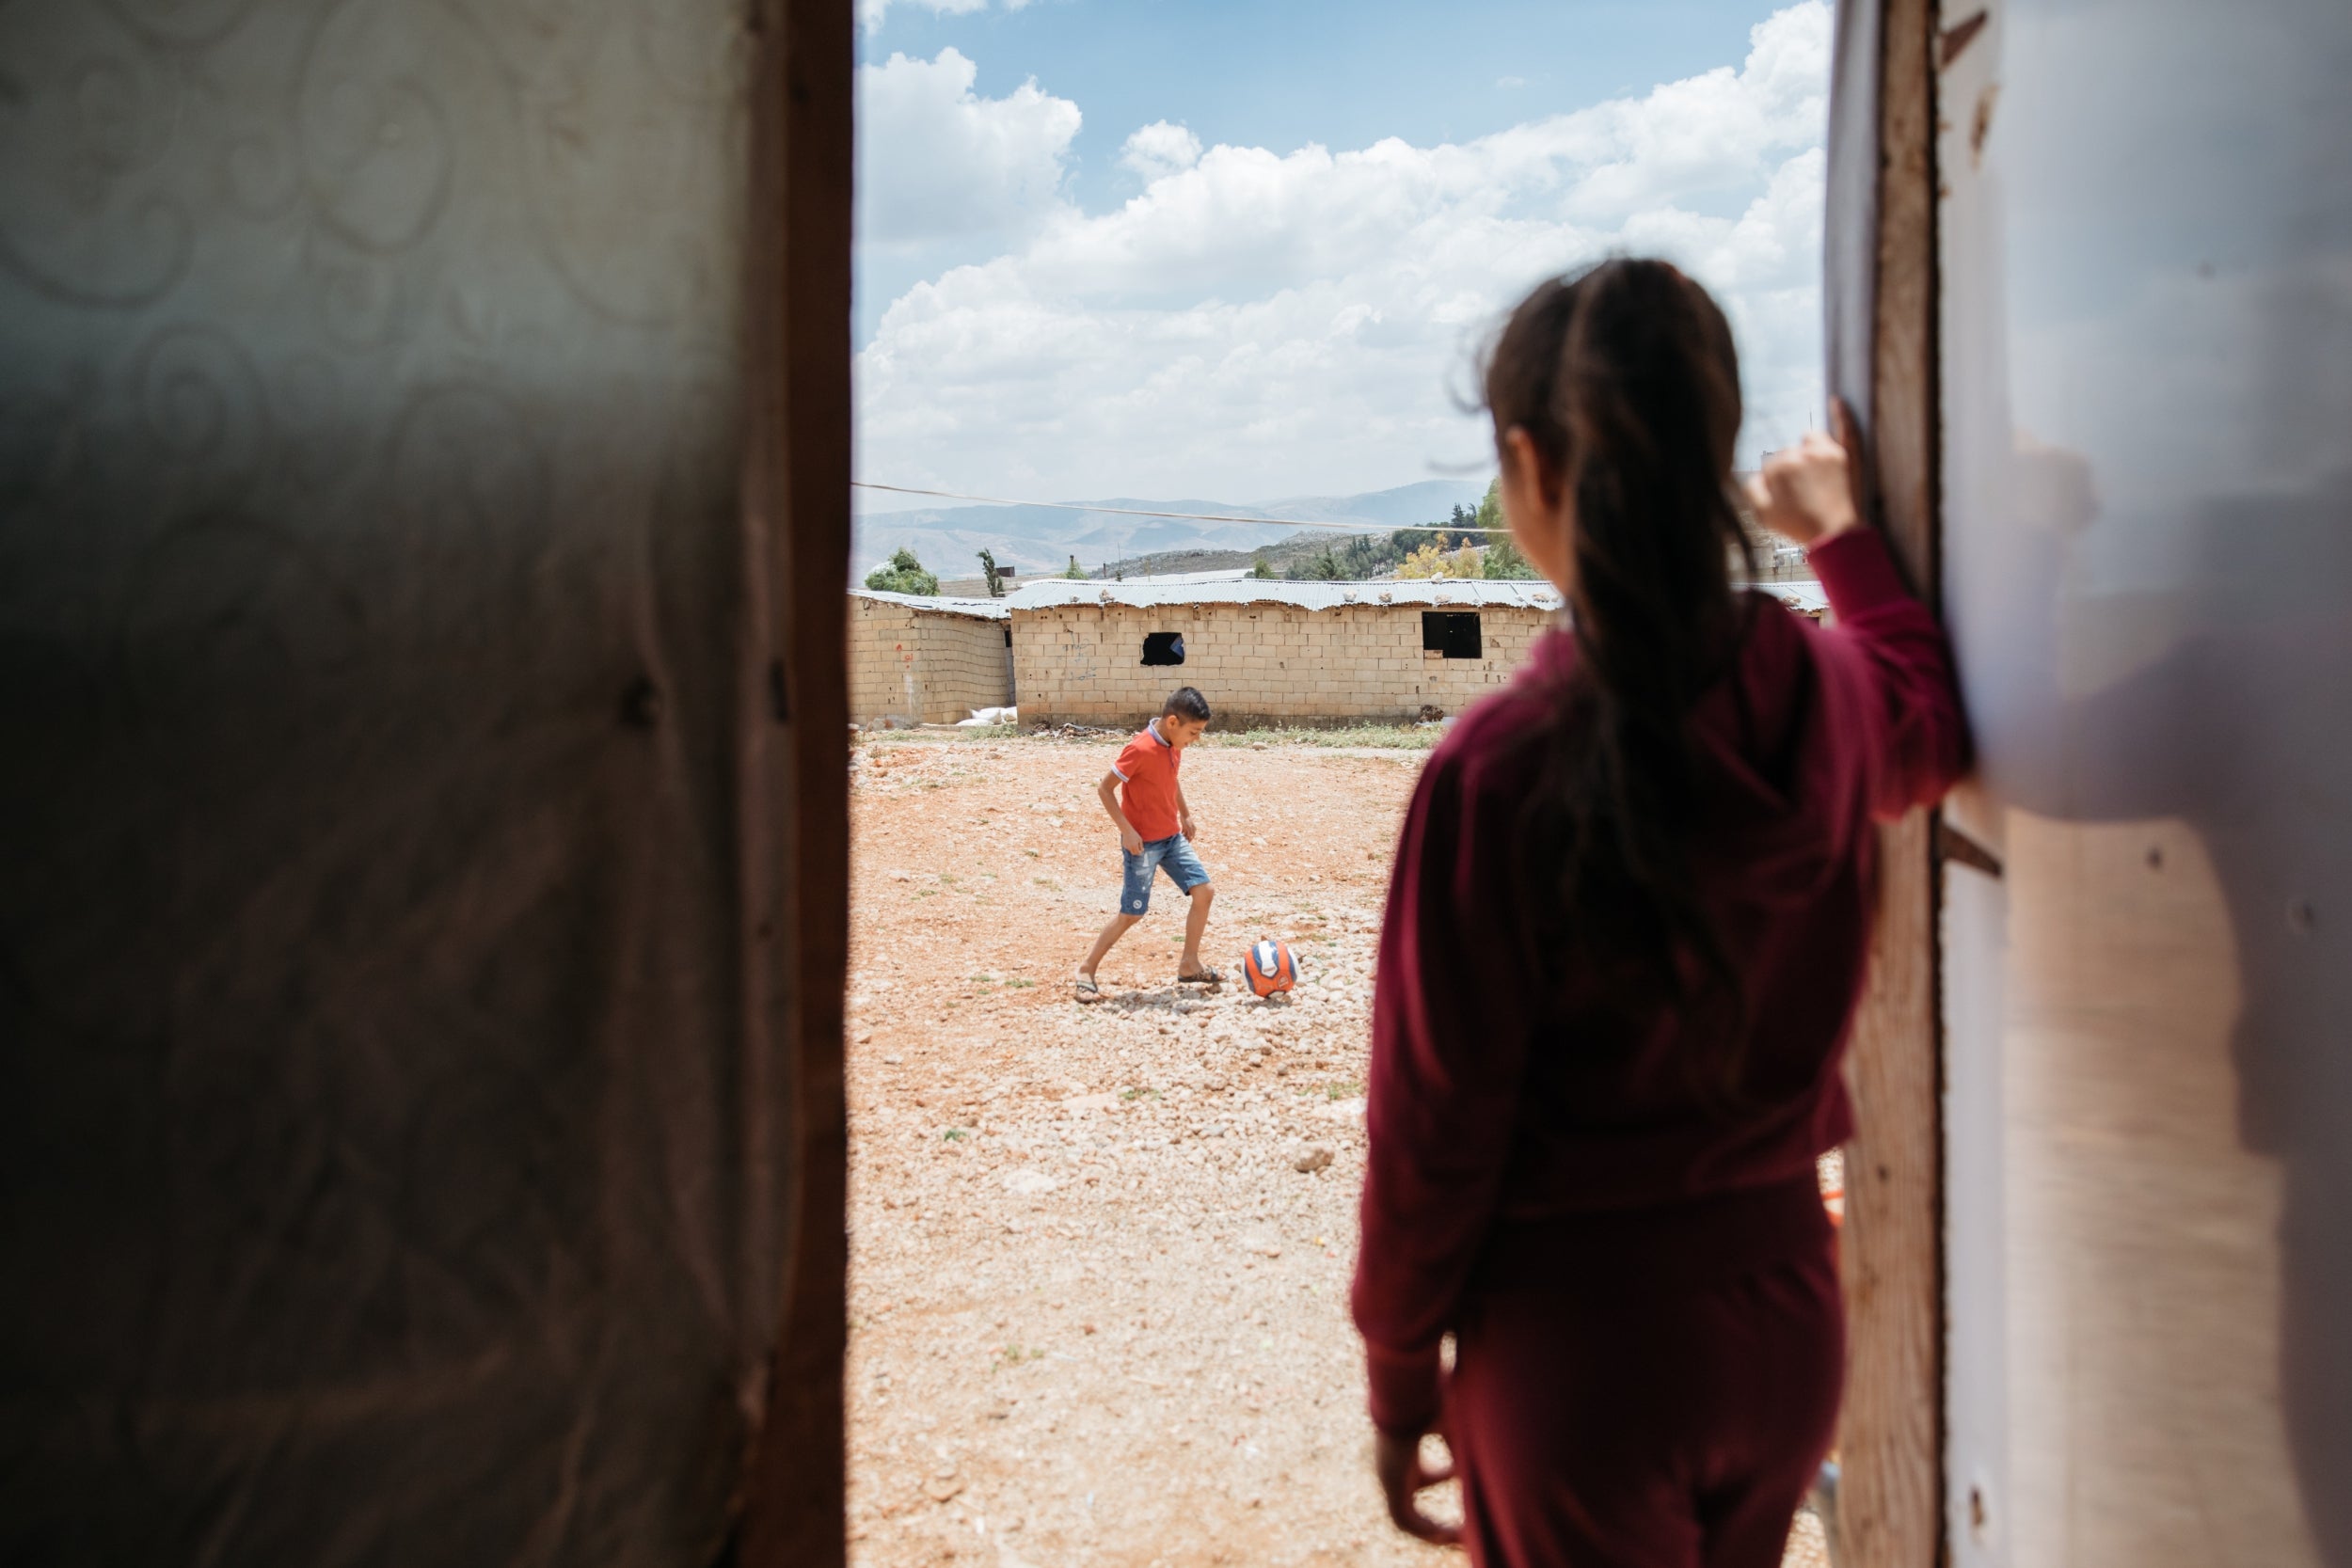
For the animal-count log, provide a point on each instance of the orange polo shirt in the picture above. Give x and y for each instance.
(1147, 771)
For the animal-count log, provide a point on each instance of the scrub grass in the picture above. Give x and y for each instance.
(1392, 738)
(1395, 738)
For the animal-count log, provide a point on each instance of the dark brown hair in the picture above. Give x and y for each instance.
(1625, 378)
(1185, 701)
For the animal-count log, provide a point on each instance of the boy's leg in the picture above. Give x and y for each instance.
(1116, 927)
(1135, 897)
(1195, 922)
(1184, 869)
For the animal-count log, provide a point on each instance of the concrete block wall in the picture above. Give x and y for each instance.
(921, 666)
(1257, 663)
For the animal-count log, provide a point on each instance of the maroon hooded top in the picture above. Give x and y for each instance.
(1525, 1123)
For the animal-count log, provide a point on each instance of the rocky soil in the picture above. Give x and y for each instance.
(1100, 1254)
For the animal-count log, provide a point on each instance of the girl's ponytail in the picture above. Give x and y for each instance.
(1625, 378)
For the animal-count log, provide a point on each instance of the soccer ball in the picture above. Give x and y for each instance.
(1270, 967)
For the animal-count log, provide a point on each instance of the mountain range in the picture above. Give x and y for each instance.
(1039, 541)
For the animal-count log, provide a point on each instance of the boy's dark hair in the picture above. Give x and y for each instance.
(1185, 701)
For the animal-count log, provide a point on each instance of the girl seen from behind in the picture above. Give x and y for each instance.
(1624, 937)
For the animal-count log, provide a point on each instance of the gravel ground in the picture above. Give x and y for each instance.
(1100, 1254)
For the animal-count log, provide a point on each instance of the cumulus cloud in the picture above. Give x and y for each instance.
(1256, 323)
(1159, 150)
(870, 12)
(937, 161)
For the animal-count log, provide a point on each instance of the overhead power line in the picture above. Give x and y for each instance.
(1187, 517)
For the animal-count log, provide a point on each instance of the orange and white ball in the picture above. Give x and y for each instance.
(1270, 967)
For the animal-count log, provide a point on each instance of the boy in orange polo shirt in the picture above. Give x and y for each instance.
(1155, 830)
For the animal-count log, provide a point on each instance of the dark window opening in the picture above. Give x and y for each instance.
(1451, 632)
(1008, 637)
(1163, 647)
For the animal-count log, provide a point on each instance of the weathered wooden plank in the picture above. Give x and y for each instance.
(797, 533)
(1891, 1441)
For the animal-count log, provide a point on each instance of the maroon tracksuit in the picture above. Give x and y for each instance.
(1641, 1287)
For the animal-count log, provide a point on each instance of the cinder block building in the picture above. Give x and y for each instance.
(925, 660)
(1269, 652)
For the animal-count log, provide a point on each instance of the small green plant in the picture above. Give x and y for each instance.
(1016, 983)
(954, 1135)
(902, 574)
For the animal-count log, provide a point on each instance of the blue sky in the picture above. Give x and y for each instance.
(1242, 251)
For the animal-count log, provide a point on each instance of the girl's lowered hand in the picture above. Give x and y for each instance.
(1397, 1462)
(1806, 492)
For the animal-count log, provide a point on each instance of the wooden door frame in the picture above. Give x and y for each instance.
(797, 559)
(1883, 360)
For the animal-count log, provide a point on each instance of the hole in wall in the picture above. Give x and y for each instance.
(1163, 647)
(1453, 633)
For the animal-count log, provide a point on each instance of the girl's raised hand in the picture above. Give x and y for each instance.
(1806, 492)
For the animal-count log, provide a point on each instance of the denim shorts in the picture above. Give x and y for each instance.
(1172, 855)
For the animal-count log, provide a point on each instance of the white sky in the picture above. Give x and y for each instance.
(1236, 323)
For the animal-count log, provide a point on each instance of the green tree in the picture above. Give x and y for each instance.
(1264, 571)
(988, 571)
(1503, 560)
(1077, 573)
(1490, 513)
(903, 574)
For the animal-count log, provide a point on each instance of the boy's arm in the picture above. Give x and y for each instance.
(1183, 814)
(1108, 792)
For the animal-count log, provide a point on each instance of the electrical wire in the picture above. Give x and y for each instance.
(1134, 512)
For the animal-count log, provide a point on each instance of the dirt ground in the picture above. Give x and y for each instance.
(1100, 1254)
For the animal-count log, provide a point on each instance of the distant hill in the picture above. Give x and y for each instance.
(1039, 541)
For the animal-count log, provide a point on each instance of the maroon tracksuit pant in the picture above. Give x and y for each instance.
(1644, 1425)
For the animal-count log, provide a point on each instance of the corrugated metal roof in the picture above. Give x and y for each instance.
(1467, 595)
(941, 603)
(1176, 580)
(1805, 597)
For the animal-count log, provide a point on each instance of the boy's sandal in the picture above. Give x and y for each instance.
(1085, 989)
(1207, 974)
